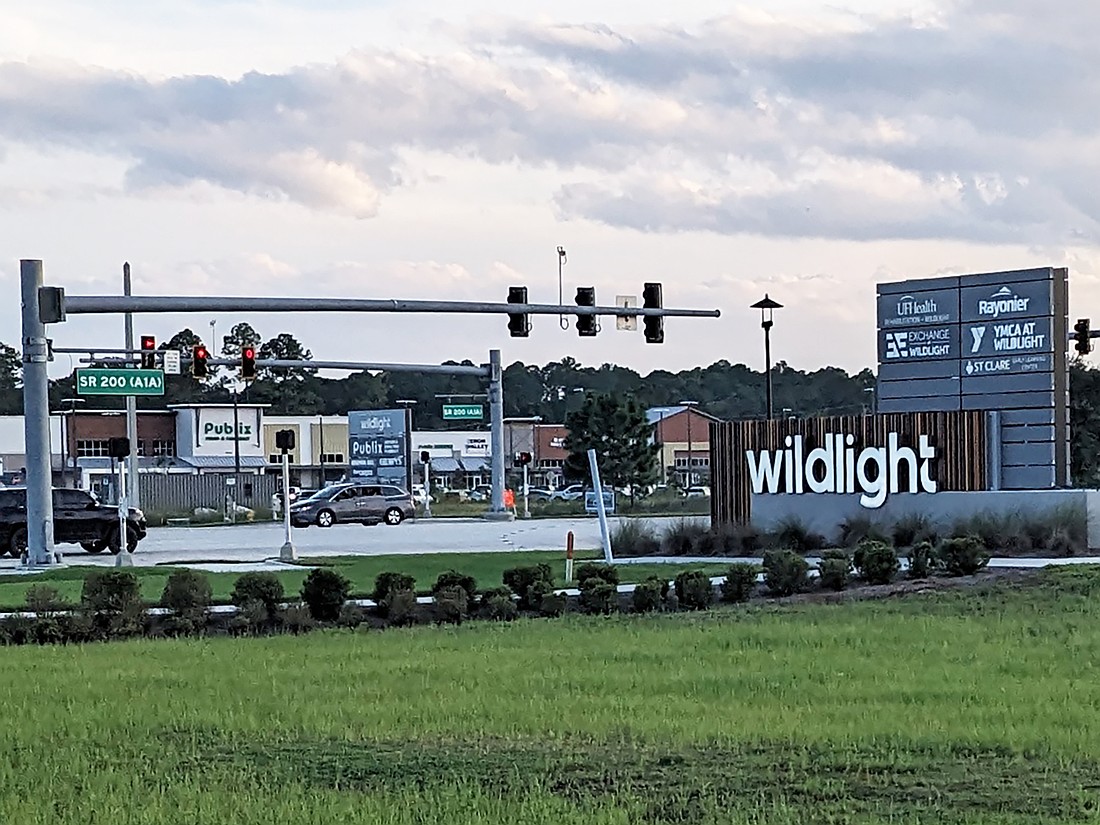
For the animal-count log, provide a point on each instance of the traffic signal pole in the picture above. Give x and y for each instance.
(35, 296)
(131, 402)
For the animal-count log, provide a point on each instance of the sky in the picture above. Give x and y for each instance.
(434, 150)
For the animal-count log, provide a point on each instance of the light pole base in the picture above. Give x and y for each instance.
(52, 562)
(124, 559)
(504, 515)
(288, 552)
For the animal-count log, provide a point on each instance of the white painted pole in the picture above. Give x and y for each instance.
(428, 488)
(526, 493)
(287, 552)
(601, 511)
(124, 558)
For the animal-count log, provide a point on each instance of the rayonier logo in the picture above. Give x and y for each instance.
(836, 467)
(1003, 301)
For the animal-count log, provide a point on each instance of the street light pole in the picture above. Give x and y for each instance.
(766, 307)
(689, 405)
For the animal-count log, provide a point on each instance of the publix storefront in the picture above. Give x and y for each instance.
(211, 437)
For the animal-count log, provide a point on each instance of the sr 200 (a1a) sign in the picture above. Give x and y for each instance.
(119, 382)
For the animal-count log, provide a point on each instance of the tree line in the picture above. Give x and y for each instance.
(551, 392)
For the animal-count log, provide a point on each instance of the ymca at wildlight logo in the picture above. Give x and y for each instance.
(836, 467)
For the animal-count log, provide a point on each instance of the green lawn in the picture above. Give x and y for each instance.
(487, 568)
(956, 708)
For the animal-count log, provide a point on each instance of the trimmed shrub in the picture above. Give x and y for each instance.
(553, 605)
(792, 534)
(647, 596)
(682, 537)
(187, 593)
(261, 587)
(521, 579)
(876, 562)
(386, 583)
(298, 618)
(324, 592)
(694, 590)
(596, 570)
(401, 607)
(113, 597)
(635, 537)
(740, 583)
(451, 604)
(962, 556)
(833, 572)
(599, 597)
(785, 572)
(452, 578)
(497, 605)
(920, 558)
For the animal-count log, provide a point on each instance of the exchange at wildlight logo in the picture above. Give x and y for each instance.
(836, 467)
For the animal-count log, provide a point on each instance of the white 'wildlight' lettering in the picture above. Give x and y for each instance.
(835, 467)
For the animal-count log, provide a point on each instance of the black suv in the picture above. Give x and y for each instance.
(78, 518)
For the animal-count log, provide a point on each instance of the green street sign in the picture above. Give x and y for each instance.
(119, 382)
(463, 412)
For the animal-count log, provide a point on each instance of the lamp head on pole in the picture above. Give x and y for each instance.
(766, 307)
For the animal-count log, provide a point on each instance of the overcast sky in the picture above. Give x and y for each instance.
(406, 150)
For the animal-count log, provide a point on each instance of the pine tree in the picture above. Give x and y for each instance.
(617, 429)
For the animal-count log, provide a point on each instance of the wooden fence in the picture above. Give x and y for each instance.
(960, 440)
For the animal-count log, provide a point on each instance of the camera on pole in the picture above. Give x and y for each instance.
(586, 324)
(519, 323)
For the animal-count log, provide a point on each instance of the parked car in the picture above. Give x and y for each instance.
(570, 493)
(418, 495)
(78, 518)
(700, 491)
(482, 492)
(540, 493)
(354, 503)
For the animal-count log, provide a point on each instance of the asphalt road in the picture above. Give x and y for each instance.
(257, 542)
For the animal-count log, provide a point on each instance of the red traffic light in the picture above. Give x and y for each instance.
(148, 342)
(248, 363)
(148, 352)
(198, 361)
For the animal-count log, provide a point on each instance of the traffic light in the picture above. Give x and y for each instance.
(148, 352)
(522, 459)
(654, 324)
(519, 323)
(284, 440)
(1081, 337)
(425, 457)
(118, 447)
(248, 363)
(198, 361)
(586, 324)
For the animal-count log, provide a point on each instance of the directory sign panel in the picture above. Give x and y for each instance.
(378, 447)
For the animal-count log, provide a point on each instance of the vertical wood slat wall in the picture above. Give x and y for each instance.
(959, 438)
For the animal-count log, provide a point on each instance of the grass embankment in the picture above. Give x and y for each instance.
(361, 571)
(962, 707)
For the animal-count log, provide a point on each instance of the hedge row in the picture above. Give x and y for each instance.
(111, 607)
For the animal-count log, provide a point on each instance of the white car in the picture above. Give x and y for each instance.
(418, 494)
(571, 493)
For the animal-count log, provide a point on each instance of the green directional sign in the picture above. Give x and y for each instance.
(119, 382)
(463, 412)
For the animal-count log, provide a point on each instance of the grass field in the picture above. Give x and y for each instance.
(963, 707)
(360, 570)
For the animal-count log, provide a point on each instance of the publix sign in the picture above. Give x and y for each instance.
(215, 431)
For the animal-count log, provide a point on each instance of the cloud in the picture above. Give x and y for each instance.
(972, 122)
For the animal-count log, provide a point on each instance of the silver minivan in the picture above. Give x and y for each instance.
(351, 503)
